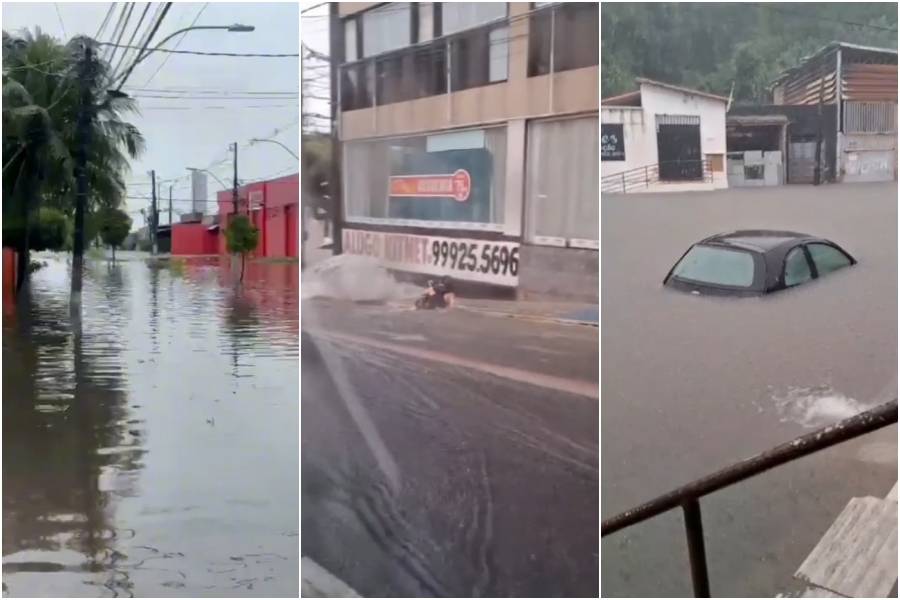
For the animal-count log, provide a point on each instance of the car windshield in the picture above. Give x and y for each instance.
(716, 266)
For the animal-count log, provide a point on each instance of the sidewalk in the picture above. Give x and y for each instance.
(857, 556)
(574, 313)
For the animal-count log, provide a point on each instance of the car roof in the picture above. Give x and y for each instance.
(759, 240)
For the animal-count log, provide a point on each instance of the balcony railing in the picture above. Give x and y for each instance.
(562, 36)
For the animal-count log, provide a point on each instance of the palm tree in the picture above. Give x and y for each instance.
(34, 84)
(42, 85)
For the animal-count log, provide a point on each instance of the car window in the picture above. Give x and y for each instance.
(827, 258)
(796, 268)
(716, 266)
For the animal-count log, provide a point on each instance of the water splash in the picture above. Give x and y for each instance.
(817, 406)
(354, 278)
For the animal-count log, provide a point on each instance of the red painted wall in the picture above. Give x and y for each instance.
(9, 272)
(191, 239)
(275, 213)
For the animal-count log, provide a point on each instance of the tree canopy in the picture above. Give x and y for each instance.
(241, 237)
(113, 225)
(42, 84)
(711, 47)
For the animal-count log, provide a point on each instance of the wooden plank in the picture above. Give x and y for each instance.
(857, 556)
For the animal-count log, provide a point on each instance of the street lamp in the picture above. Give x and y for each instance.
(291, 152)
(235, 28)
(224, 187)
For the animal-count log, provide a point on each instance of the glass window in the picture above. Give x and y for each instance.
(827, 258)
(562, 185)
(457, 16)
(574, 30)
(716, 266)
(386, 28)
(796, 268)
(445, 178)
(498, 54)
(350, 40)
(426, 21)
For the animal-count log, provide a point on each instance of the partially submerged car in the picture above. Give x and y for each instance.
(755, 262)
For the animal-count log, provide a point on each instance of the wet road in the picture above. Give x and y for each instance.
(691, 384)
(152, 451)
(445, 475)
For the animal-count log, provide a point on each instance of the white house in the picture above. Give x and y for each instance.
(662, 138)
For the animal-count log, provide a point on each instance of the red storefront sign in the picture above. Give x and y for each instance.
(457, 185)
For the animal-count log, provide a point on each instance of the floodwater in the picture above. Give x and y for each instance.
(152, 449)
(691, 384)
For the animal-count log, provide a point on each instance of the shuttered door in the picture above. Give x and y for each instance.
(678, 145)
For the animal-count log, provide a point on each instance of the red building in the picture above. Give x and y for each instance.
(274, 209)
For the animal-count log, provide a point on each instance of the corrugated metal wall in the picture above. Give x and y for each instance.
(869, 82)
(806, 86)
(870, 117)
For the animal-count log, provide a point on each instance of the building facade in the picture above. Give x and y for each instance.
(469, 140)
(663, 137)
(273, 207)
(859, 85)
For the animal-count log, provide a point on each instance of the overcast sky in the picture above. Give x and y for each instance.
(186, 132)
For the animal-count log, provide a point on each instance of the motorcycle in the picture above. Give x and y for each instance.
(438, 294)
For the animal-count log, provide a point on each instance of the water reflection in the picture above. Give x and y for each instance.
(150, 447)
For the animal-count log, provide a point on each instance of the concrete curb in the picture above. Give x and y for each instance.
(510, 315)
(317, 582)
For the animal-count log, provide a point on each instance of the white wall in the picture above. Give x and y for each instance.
(640, 138)
(640, 127)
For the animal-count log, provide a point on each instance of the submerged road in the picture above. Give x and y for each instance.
(449, 453)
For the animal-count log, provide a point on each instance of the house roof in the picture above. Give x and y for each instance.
(644, 80)
(755, 119)
(824, 50)
(629, 99)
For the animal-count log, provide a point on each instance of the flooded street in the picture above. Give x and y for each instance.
(449, 454)
(152, 450)
(692, 384)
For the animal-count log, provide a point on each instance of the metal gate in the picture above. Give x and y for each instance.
(802, 160)
(678, 144)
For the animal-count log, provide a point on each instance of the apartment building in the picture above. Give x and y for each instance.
(469, 140)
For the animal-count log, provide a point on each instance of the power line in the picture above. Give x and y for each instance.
(177, 43)
(146, 43)
(195, 53)
(102, 28)
(61, 24)
(197, 90)
(119, 27)
(811, 15)
(217, 107)
(169, 97)
(130, 40)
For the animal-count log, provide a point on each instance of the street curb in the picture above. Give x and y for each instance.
(527, 317)
(317, 582)
(511, 315)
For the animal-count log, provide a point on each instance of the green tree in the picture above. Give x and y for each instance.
(712, 46)
(114, 225)
(41, 106)
(241, 237)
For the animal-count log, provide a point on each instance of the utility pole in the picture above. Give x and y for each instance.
(818, 170)
(85, 116)
(234, 190)
(154, 218)
(170, 210)
(336, 55)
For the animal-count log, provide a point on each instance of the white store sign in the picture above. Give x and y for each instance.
(483, 261)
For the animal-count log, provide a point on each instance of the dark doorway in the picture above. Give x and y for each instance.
(678, 142)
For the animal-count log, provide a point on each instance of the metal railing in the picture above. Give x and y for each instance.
(644, 177)
(688, 496)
